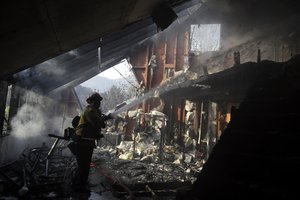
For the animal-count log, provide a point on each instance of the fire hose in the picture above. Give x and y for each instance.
(114, 180)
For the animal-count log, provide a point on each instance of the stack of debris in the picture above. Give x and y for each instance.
(146, 160)
(189, 137)
(148, 138)
(137, 174)
(181, 79)
(37, 175)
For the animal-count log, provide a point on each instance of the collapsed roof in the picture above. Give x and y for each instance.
(57, 45)
(79, 64)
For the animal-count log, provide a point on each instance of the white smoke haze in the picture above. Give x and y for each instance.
(73, 53)
(181, 80)
(51, 67)
(29, 122)
(32, 122)
(31, 125)
(36, 115)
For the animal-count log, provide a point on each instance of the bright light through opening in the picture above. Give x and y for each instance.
(205, 37)
(118, 71)
(120, 75)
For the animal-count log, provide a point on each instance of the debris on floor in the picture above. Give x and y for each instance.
(37, 175)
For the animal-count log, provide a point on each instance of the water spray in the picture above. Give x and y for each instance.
(137, 101)
(180, 82)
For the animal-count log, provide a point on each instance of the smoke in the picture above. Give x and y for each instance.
(35, 77)
(181, 80)
(29, 122)
(244, 21)
(32, 123)
(35, 116)
(51, 67)
(133, 103)
(234, 40)
(73, 53)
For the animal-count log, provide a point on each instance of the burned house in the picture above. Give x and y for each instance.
(215, 113)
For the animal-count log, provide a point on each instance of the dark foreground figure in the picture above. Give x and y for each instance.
(258, 155)
(88, 130)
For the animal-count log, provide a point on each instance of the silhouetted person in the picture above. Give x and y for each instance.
(88, 130)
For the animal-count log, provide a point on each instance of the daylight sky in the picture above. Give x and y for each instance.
(114, 76)
(112, 73)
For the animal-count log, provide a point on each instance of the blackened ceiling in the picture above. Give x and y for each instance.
(34, 31)
(78, 65)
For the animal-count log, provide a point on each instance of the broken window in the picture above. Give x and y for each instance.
(116, 85)
(205, 37)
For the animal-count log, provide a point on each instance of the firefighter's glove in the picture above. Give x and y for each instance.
(109, 116)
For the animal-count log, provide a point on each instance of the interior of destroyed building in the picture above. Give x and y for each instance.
(214, 112)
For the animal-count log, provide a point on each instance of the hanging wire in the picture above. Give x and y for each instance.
(130, 67)
(125, 78)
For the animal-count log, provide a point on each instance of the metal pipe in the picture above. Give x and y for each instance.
(258, 56)
(77, 99)
(200, 124)
(52, 147)
(50, 153)
(99, 58)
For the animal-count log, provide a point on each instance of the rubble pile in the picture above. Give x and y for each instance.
(133, 172)
(35, 175)
(181, 79)
(147, 159)
(189, 136)
(137, 175)
(148, 137)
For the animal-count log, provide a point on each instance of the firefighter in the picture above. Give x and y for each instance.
(88, 130)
